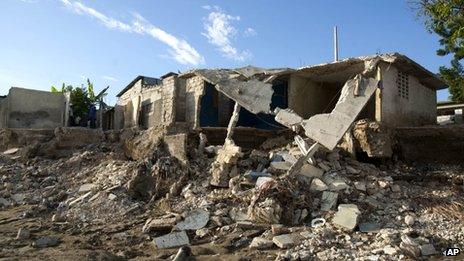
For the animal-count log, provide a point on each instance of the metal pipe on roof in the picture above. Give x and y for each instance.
(335, 31)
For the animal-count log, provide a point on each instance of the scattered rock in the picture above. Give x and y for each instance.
(409, 220)
(311, 171)
(86, 187)
(369, 227)
(427, 250)
(174, 239)
(261, 243)
(23, 234)
(317, 185)
(194, 220)
(347, 216)
(328, 200)
(390, 250)
(159, 224)
(46, 242)
(283, 241)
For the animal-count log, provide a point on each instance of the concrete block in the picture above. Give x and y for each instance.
(284, 241)
(194, 220)
(328, 200)
(175, 239)
(347, 216)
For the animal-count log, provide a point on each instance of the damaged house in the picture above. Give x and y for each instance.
(324, 99)
(33, 109)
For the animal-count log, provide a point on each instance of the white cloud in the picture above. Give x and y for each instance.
(180, 50)
(219, 31)
(109, 78)
(249, 32)
(29, 1)
(206, 7)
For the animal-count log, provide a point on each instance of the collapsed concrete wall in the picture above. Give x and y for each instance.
(24, 108)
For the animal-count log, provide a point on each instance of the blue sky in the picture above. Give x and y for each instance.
(47, 42)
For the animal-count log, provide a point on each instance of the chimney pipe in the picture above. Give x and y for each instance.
(335, 31)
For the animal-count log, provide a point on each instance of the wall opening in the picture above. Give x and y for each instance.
(216, 109)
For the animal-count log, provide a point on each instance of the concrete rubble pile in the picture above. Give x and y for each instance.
(160, 206)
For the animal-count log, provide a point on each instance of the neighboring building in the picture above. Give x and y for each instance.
(33, 109)
(449, 112)
(406, 95)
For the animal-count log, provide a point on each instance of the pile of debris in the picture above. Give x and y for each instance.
(330, 207)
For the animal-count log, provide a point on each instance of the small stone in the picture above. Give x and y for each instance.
(23, 234)
(11, 151)
(171, 240)
(323, 166)
(261, 243)
(18, 198)
(360, 185)
(278, 229)
(369, 227)
(352, 170)
(283, 241)
(347, 216)
(46, 242)
(112, 196)
(396, 188)
(202, 232)
(58, 218)
(390, 250)
(280, 165)
(311, 171)
(409, 220)
(159, 224)
(317, 185)
(5, 202)
(328, 200)
(383, 184)
(410, 250)
(86, 187)
(194, 220)
(427, 250)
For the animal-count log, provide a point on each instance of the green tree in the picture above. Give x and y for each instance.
(446, 19)
(81, 97)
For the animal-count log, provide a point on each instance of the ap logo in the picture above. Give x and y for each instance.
(452, 251)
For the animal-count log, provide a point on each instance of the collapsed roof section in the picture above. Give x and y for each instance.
(248, 86)
(251, 88)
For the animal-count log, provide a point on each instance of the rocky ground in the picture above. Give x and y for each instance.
(98, 204)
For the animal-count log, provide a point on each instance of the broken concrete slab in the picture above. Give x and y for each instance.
(194, 220)
(427, 250)
(261, 243)
(280, 165)
(329, 128)
(347, 216)
(311, 171)
(159, 224)
(86, 187)
(11, 151)
(328, 200)
(317, 185)
(369, 227)
(287, 117)
(46, 242)
(253, 94)
(174, 239)
(284, 241)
